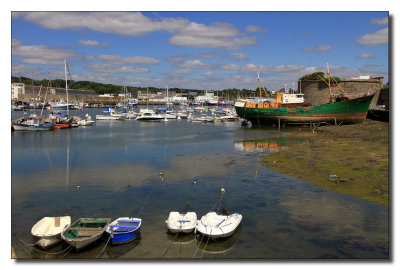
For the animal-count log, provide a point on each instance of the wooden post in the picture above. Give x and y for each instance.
(279, 123)
(335, 122)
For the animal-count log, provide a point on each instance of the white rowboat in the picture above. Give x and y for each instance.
(48, 230)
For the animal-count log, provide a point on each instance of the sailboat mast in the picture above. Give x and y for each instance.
(66, 84)
(329, 84)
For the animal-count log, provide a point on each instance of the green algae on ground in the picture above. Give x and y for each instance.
(356, 154)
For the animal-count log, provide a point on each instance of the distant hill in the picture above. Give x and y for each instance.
(101, 88)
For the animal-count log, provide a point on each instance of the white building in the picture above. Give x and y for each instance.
(17, 89)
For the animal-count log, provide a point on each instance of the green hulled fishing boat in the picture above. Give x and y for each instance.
(292, 108)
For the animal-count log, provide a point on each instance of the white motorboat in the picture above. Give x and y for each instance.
(150, 116)
(86, 121)
(48, 230)
(203, 119)
(218, 226)
(184, 223)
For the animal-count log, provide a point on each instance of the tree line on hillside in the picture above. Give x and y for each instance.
(101, 88)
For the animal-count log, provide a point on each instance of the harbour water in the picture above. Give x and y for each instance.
(117, 166)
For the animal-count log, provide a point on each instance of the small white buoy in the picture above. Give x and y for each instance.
(78, 187)
(222, 190)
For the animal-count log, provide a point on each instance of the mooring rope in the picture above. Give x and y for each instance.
(104, 248)
(202, 254)
(38, 250)
(146, 201)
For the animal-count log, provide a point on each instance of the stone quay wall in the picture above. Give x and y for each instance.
(317, 92)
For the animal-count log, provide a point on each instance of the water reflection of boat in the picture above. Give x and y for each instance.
(267, 144)
(220, 245)
(117, 251)
(181, 238)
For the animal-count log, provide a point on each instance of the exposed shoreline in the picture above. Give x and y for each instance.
(358, 156)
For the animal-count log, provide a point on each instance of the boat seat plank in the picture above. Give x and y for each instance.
(128, 221)
(97, 229)
(86, 233)
(124, 226)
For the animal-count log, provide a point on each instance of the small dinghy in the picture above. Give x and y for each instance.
(124, 229)
(48, 230)
(85, 231)
(184, 223)
(218, 226)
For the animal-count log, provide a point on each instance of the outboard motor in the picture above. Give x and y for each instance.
(225, 210)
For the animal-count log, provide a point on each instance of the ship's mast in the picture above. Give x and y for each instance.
(329, 83)
(66, 84)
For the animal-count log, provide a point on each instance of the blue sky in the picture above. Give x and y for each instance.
(199, 50)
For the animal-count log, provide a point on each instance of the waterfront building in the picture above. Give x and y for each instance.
(17, 89)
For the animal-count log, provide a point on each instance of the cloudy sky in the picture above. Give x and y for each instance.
(199, 50)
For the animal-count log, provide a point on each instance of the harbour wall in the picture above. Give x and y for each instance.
(317, 92)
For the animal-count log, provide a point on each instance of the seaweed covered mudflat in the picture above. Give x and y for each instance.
(350, 159)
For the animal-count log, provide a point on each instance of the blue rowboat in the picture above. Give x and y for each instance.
(124, 229)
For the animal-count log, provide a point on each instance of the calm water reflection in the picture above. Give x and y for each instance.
(117, 166)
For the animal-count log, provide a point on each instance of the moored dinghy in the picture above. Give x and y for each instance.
(48, 230)
(184, 223)
(218, 226)
(124, 229)
(85, 231)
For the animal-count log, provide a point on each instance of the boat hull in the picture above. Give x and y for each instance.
(181, 223)
(218, 226)
(353, 110)
(85, 231)
(48, 230)
(124, 230)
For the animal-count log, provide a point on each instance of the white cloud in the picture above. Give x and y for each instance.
(94, 43)
(255, 68)
(209, 74)
(230, 67)
(196, 64)
(380, 21)
(186, 33)
(179, 72)
(374, 39)
(239, 56)
(89, 42)
(121, 23)
(175, 58)
(253, 29)
(40, 54)
(366, 55)
(321, 48)
(36, 61)
(113, 69)
(118, 60)
(217, 35)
